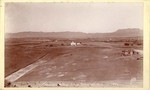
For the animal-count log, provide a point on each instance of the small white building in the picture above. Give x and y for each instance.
(73, 43)
(78, 43)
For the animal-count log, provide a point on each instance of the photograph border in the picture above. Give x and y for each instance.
(146, 46)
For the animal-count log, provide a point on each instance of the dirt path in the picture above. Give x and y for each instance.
(16, 75)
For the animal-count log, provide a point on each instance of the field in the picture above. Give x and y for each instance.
(45, 62)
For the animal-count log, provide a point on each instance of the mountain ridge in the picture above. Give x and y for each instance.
(129, 32)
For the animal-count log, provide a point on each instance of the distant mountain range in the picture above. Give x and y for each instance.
(130, 32)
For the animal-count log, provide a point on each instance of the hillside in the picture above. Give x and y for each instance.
(119, 33)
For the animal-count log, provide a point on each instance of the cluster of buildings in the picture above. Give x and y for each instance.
(75, 43)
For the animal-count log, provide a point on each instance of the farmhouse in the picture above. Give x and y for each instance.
(73, 43)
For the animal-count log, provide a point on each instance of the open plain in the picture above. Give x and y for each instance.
(42, 62)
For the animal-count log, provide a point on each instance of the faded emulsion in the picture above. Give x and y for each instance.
(73, 44)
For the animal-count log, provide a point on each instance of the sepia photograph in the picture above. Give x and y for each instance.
(73, 44)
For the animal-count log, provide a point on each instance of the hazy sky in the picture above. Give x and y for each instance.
(76, 17)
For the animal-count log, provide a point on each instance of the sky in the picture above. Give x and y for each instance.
(74, 17)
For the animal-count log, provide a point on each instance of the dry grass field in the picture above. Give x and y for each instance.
(93, 63)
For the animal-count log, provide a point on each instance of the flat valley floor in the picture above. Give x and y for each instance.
(53, 64)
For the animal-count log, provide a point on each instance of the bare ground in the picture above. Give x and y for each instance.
(98, 64)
